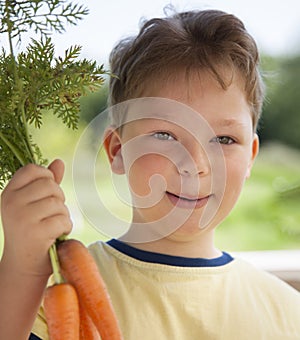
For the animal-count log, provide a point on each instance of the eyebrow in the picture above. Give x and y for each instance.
(231, 122)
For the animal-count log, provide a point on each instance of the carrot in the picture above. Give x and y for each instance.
(62, 312)
(79, 268)
(88, 330)
(61, 304)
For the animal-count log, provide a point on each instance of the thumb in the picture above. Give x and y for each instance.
(57, 167)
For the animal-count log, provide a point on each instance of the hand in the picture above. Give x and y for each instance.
(33, 215)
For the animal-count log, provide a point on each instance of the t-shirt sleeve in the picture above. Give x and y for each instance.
(33, 337)
(40, 326)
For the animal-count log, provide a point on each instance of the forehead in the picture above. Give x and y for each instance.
(157, 112)
(190, 86)
(191, 102)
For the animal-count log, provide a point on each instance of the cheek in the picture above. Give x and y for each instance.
(236, 172)
(142, 174)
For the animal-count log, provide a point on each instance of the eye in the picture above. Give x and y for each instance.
(162, 135)
(226, 140)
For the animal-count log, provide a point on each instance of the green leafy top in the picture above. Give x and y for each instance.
(41, 16)
(36, 82)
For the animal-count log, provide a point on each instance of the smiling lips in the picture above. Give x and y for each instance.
(187, 203)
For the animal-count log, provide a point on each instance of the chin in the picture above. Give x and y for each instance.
(187, 233)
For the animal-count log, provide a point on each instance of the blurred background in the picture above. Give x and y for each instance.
(268, 213)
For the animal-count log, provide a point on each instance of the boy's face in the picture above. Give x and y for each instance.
(186, 169)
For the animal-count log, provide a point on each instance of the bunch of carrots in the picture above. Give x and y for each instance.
(77, 306)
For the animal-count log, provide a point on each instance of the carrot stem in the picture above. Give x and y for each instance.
(13, 149)
(55, 265)
(62, 238)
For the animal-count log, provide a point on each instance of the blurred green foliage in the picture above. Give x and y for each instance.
(281, 114)
(267, 214)
(93, 104)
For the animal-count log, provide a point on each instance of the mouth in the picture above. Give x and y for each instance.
(188, 202)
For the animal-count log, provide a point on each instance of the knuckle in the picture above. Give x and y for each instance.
(62, 194)
(68, 226)
(57, 207)
(53, 188)
(53, 201)
(47, 182)
(59, 225)
(30, 167)
(67, 210)
(39, 171)
(30, 170)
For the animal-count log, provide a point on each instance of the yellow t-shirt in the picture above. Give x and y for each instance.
(234, 301)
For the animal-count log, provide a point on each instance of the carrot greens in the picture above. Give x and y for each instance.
(34, 82)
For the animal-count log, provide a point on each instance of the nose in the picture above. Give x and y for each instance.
(193, 160)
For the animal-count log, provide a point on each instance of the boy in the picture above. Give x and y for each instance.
(186, 143)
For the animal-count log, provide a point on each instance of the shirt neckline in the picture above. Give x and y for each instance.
(178, 261)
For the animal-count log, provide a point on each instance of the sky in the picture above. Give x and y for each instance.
(275, 24)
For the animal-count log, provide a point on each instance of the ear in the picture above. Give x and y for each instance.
(113, 147)
(254, 153)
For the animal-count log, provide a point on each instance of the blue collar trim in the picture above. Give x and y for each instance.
(179, 261)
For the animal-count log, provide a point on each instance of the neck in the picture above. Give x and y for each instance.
(200, 246)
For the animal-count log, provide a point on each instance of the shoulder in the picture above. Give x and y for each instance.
(108, 260)
(99, 250)
(246, 268)
(268, 288)
(261, 278)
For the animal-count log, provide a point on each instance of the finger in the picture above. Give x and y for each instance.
(56, 226)
(28, 174)
(57, 167)
(46, 208)
(38, 190)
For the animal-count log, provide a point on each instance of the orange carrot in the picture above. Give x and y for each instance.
(61, 305)
(62, 312)
(88, 330)
(80, 269)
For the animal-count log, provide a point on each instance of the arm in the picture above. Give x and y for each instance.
(20, 297)
(33, 216)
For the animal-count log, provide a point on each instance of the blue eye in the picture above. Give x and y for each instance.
(161, 135)
(226, 140)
